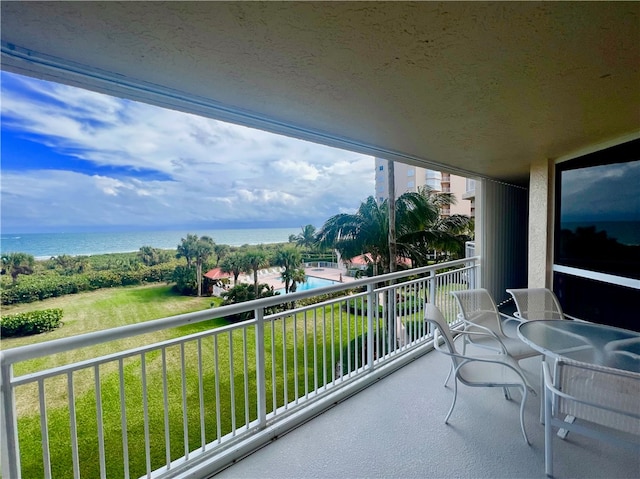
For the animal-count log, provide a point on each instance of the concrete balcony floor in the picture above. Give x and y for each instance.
(395, 429)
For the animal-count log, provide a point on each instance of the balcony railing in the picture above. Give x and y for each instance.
(201, 400)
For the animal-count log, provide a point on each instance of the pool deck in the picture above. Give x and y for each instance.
(274, 278)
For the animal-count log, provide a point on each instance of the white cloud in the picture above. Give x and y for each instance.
(203, 170)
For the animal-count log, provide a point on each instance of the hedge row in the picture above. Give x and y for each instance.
(32, 322)
(38, 287)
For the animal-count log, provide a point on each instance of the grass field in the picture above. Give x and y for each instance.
(84, 313)
(105, 309)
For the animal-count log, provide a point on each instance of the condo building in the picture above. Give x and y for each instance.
(409, 178)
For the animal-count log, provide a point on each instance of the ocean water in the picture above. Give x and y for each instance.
(46, 245)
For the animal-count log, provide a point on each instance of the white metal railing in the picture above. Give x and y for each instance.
(322, 264)
(470, 249)
(194, 400)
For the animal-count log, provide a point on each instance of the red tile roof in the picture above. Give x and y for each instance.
(216, 273)
(365, 259)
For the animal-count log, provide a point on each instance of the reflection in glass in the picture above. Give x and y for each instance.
(599, 218)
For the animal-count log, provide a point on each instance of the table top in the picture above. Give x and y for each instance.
(587, 342)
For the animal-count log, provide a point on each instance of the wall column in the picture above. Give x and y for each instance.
(541, 177)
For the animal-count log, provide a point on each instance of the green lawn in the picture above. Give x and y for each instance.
(105, 309)
(83, 313)
(110, 308)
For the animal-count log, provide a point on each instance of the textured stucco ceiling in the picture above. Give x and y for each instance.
(481, 87)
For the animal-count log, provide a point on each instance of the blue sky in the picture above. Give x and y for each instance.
(74, 160)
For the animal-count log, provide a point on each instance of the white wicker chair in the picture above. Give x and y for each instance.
(535, 304)
(480, 314)
(604, 401)
(496, 370)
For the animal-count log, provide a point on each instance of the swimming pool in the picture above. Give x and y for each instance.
(311, 283)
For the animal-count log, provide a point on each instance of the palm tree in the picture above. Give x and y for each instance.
(297, 276)
(289, 258)
(187, 247)
(233, 263)
(221, 251)
(444, 235)
(307, 238)
(393, 247)
(419, 229)
(255, 259)
(196, 251)
(149, 255)
(366, 231)
(16, 264)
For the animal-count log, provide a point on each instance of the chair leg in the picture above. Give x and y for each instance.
(507, 394)
(542, 395)
(455, 396)
(448, 375)
(524, 399)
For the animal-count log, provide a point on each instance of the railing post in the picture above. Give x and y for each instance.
(261, 369)
(9, 430)
(473, 273)
(370, 331)
(393, 320)
(432, 287)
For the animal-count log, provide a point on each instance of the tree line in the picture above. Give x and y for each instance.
(422, 237)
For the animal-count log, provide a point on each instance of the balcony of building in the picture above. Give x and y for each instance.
(194, 403)
(310, 70)
(395, 429)
(339, 381)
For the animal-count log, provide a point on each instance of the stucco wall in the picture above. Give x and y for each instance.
(540, 224)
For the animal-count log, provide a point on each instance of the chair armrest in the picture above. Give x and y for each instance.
(487, 334)
(515, 317)
(514, 367)
(471, 324)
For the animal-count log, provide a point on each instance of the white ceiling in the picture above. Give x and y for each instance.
(479, 87)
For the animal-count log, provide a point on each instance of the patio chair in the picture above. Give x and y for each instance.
(480, 314)
(535, 304)
(496, 370)
(603, 400)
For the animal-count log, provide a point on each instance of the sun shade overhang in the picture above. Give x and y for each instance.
(478, 88)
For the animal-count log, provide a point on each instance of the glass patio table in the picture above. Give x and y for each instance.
(591, 343)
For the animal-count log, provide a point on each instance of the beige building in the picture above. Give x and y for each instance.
(409, 178)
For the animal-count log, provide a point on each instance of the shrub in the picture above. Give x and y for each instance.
(185, 279)
(103, 279)
(246, 292)
(160, 272)
(51, 284)
(33, 322)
